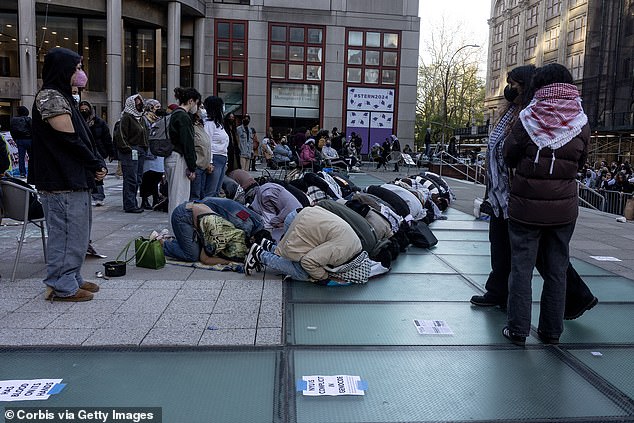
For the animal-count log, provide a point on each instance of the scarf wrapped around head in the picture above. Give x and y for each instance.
(554, 117)
(130, 106)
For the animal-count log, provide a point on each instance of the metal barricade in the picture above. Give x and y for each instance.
(590, 198)
(615, 201)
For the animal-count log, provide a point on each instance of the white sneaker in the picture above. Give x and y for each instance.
(154, 235)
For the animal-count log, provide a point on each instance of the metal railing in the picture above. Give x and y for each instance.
(603, 200)
(615, 201)
(590, 198)
(472, 172)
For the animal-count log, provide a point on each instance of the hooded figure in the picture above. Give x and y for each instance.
(64, 167)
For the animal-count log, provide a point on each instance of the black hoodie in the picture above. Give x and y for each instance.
(62, 161)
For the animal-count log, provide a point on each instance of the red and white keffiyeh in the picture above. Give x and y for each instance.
(554, 117)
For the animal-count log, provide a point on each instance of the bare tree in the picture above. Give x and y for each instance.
(450, 92)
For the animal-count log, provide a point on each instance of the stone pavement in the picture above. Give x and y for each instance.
(181, 305)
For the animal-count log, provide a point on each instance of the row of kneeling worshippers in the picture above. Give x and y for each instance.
(319, 228)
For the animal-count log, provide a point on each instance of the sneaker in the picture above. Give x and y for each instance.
(484, 301)
(520, 341)
(89, 286)
(154, 235)
(576, 314)
(80, 296)
(97, 203)
(267, 245)
(253, 259)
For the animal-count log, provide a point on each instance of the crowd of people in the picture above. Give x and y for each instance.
(615, 177)
(220, 214)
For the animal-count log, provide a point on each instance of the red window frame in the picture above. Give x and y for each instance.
(380, 66)
(305, 63)
(230, 77)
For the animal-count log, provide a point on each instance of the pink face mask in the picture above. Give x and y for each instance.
(80, 79)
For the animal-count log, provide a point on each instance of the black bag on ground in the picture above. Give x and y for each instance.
(420, 235)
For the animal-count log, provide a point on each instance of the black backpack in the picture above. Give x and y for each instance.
(21, 127)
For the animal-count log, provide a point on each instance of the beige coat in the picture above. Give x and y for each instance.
(319, 238)
(202, 144)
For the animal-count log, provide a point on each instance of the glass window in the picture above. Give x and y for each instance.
(9, 45)
(237, 68)
(223, 49)
(94, 51)
(187, 69)
(278, 33)
(146, 76)
(297, 35)
(355, 38)
(389, 76)
(295, 71)
(313, 72)
(296, 53)
(313, 54)
(238, 30)
(223, 67)
(372, 57)
(278, 52)
(354, 75)
(231, 93)
(315, 36)
(278, 70)
(390, 40)
(223, 30)
(371, 76)
(390, 58)
(58, 32)
(373, 39)
(354, 57)
(237, 49)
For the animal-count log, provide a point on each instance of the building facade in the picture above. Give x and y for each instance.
(594, 39)
(334, 63)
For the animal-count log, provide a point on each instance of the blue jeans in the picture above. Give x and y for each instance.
(236, 213)
(220, 165)
(185, 246)
(525, 243)
(98, 193)
(68, 220)
(285, 266)
(132, 175)
(201, 186)
(24, 147)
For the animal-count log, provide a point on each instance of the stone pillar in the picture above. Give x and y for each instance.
(114, 59)
(173, 48)
(27, 52)
(202, 77)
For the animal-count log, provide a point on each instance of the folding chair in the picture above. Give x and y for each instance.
(394, 158)
(408, 161)
(16, 201)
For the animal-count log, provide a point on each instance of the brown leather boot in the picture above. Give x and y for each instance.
(80, 296)
(89, 286)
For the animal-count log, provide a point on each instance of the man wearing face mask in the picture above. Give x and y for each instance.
(246, 136)
(103, 141)
(64, 166)
(132, 151)
(579, 298)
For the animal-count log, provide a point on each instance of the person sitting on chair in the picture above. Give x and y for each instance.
(282, 154)
(332, 157)
(308, 156)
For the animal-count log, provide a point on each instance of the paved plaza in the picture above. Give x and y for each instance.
(208, 333)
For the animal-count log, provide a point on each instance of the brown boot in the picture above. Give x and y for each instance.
(80, 296)
(89, 286)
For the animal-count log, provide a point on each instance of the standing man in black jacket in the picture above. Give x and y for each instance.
(103, 141)
(64, 167)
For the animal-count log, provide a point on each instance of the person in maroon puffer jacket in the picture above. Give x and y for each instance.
(547, 147)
